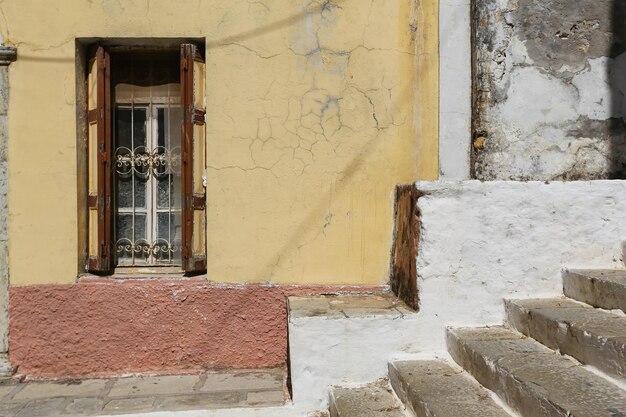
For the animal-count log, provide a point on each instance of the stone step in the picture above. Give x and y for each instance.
(534, 380)
(435, 389)
(357, 333)
(374, 400)
(592, 336)
(604, 288)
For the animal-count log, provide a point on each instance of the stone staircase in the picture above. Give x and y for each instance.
(557, 357)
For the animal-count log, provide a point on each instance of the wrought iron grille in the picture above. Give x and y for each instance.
(147, 163)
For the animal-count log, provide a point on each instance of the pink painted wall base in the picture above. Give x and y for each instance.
(108, 327)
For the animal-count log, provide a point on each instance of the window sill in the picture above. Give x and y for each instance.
(141, 276)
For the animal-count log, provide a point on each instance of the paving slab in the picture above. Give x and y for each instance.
(5, 366)
(436, 389)
(40, 408)
(239, 389)
(73, 388)
(130, 404)
(599, 288)
(254, 380)
(592, 336)
(211, 400)
(374, 400)
(84, 406)
(159, 385)
(532, 379)
(10, 409)
(6, 388)
(265, 398)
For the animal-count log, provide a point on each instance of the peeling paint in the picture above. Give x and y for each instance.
(549, 90)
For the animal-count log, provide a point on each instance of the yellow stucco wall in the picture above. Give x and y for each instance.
(315, 111)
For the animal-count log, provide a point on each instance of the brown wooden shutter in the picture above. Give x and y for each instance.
(192, 79)
(99, 149)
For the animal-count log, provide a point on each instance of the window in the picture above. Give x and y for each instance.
(146, 160)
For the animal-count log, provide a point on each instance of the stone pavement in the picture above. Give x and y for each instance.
(92, 397)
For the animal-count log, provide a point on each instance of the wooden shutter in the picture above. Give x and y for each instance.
(99, 162)
(192, 75)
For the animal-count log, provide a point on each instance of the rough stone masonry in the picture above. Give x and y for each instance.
(549, 86)
(7, 55)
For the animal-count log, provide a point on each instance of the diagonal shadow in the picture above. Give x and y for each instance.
(342, 181)
(320, 7)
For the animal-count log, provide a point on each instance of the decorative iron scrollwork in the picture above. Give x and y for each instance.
(141, 248)
(142, 161)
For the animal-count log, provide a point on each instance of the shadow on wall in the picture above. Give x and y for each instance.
(617, 77)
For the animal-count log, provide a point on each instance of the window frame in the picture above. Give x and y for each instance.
(192, 51)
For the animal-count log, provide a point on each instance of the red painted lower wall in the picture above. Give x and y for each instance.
(112, 327)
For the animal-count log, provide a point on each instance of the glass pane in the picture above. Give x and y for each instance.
(168, 243)
(141, 244)
(130, 127)
(123, 128)
(173, 130)
(169, 225)
(131, 239)
(175, 119)
(139, 127)
(124, 226)
(164, 186)
(161, 127)
(140, 227)
(124, 192)
(124, 242)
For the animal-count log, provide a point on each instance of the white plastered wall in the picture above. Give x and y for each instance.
(455, 80)
(484, 241)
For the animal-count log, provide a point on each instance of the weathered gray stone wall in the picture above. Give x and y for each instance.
(6, 56)
(549, 86)
(4, 261)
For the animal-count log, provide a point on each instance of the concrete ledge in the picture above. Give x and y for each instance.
(347, 306)
(328, 348)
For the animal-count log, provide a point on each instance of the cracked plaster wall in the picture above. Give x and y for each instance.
(312, 120)
(549, 89)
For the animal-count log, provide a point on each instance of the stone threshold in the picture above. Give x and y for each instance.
(143, 394)
(348, 306)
